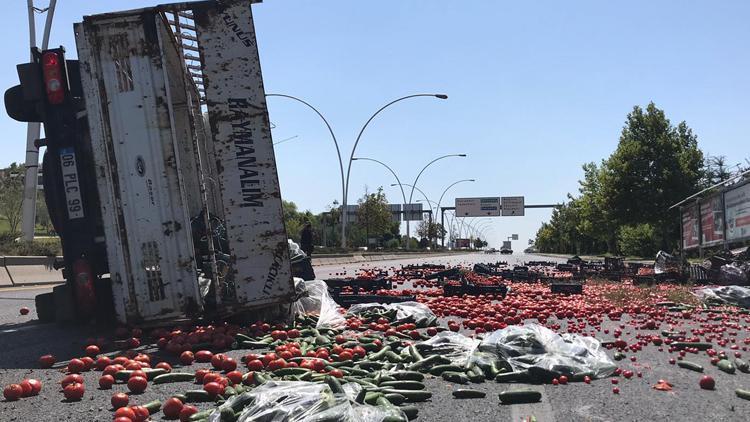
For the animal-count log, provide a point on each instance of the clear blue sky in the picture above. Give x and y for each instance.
(536, 88)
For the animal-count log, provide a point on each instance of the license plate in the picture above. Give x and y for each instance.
(71, 184)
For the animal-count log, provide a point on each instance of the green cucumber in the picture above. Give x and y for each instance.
(334, 385)
(290, 371)
(464, 393)
(201, 415)
(439, 369)
(197, 396)
(174, 377)
(512, 376)
(408, 376)
(411, 412)
(742, 365)
(455, 377)
(403, 385)
(396, 399)
(410, 395)
(689, 365)
(699, 346)
(726, 366)
(153, 406)
(520, 396)
(371, 397)
(424, 363)
(743, 394)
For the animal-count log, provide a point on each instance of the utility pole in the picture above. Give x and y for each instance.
(33, 131)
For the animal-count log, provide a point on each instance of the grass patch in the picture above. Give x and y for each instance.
(37, 247)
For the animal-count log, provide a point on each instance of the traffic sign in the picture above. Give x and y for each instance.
(413, 212)
(478, 207)
(512, 206)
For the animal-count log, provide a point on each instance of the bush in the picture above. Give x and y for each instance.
(38, 247)
(393, 244)
(637, 240)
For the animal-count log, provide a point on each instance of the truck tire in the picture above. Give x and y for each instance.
(65, 310)
(104, 301)
(45, 307)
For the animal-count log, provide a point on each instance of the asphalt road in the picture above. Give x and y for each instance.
(23, 340)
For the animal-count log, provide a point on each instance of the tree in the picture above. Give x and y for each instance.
(11, 199)
(425, 230)
(716, 170)
(654, 166)
(479, 243)
(42, 214)
(624, 202)
(374, 214)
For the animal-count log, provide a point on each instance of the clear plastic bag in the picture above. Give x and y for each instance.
(299, 401)
(313, 299)
(295, 253)
(415, 312)
(666, 263)
(732, 274)
(454, 346)
(533, 345)
(733, 295)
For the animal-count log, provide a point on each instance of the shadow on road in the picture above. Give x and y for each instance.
(22, 344)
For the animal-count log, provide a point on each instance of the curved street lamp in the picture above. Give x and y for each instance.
(354, 148)
(345, 179)
(389, 169)
(442, 239)
(330, 130)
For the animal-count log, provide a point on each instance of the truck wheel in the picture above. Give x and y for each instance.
(45, 307)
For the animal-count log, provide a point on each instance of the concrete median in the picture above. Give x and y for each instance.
(28, 271)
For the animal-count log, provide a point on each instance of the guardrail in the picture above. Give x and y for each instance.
(28, 271)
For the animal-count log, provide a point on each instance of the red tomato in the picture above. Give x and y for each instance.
(13, 392)
(106, 381)
(122, 419)
(203, 356)
(707, 383)
(71, 379)
(141, 413)
(76, 366)
(214, 389)
(137, 384)
(276, 364)
(235, 377)
(111, 370)
(125, 412)
(24, 311)
(345, 355)
(336, 373)
(119, 400)
(26, 387)
(211, 377)
(47, 361)
(133, 342)
(92, 350)
(229, 364)
(293, 333)
(217, 360)
(172, 408)
(102, 363)
(88, 363)
(138, 373)
(36, 386)
(73, 392)
(187, 357)
(255, 365)
(200, 373)
(186, 412)
(165, 366)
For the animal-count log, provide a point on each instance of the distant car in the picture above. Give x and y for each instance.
(506, 251)
(490, 250)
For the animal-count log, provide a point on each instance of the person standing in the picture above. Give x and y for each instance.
(306, 239)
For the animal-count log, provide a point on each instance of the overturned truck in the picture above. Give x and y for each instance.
(159, 168)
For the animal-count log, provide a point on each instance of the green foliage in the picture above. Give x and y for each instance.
(637, 240)
(11, 199)
(37, 247)
(425, 230)
(479, 243)
(294, 221)
(654, 166)
(374, 215)
(393, 244)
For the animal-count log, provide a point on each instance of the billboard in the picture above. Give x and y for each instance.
(462, 243)
(413, 212)
(690, 237)
(478, 207)
(395, 212)
(506, 244)
(712, 220)
(513, 206)
(737, 212)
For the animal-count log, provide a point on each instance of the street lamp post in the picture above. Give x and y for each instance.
(403, 195)
(354, 148)
(345, 179)
(411, 194)
(442, 239)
